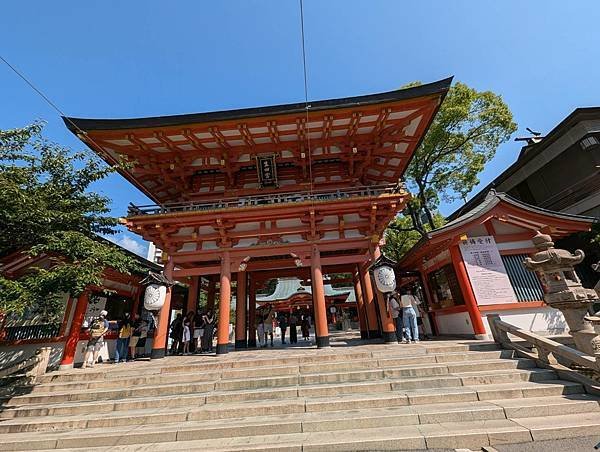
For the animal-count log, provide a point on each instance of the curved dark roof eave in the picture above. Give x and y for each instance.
(490, 199)
(527, 154)
(76, 124)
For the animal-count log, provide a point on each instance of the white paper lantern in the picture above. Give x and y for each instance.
(154, 297)
(385, 279)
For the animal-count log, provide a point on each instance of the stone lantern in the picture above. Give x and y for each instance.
(563, 289)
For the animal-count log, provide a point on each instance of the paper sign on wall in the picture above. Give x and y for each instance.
(486, 271)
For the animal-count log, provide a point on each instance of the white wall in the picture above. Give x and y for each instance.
(542, 320)
(10, 354)
(457, 323)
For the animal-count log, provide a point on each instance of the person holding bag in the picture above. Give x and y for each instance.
(97, 330)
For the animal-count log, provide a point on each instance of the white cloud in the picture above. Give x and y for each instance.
(131, 244)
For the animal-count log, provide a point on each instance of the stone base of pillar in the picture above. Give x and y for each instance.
(221, 349)
(157, 353)
(65, 366)
(373, 334)
(241, 344)
(481, 337)
(389, 336)
(322, 341)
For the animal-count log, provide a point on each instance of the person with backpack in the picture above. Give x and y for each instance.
(97, 329)
(125, 330)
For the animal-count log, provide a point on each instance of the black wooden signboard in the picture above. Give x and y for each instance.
(267, 170)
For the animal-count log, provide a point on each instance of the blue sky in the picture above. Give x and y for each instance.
(148, 58)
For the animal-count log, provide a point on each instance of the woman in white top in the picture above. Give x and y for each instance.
(409, 305)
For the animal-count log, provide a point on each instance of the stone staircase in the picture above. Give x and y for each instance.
(434, 395)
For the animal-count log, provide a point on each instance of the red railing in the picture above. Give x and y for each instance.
(272, 198)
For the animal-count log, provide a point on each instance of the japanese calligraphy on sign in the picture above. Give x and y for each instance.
(486, 271)
(267, 170)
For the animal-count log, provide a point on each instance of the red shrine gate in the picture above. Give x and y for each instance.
(291, 190)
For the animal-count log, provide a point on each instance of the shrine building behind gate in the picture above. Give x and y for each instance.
(285, 191)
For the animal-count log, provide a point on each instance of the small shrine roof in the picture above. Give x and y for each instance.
(288, 287)
(506, 209)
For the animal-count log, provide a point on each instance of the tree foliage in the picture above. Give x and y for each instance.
(463, 137)
(46, 208)
(401, 235)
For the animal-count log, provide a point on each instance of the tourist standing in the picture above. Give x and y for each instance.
(198, 333)
(282, 321)
(260, 328)
(135, 337)
(269, 319)
(409, 305)
(141, 345)
(124, 334)
(176, 332)
(209, 325)
(305, 327)
(396, 311)
(293, 332)
(98, 328)
(186, 335)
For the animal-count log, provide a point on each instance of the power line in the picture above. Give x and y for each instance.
(49, 102)
(306, 106)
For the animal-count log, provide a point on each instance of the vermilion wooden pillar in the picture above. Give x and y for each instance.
(251, 313)
(159, 343)
(360, 306)
(138, 293)
(224, 304)
(210, 295)
(71, 343)
(387, 322)
(369, 300)
(240, 311)
(318, 292)
(467, 292)
(192, 299)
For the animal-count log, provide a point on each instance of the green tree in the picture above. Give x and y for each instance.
(464, 136)
(401, 235)
(46, 208)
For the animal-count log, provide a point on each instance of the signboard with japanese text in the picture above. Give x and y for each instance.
(486, 271)
(267, 170)
(95, 305)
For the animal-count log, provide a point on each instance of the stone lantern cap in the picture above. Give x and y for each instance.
(548, 257)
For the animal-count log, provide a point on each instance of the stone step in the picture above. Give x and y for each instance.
(135, 379)
(566, 426)
(192, 407)
(286, 424)
(454, 435)
(91, 391)
(407, 354)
